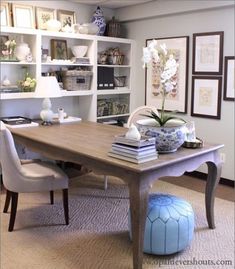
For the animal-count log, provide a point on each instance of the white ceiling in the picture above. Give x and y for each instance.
(111, 3)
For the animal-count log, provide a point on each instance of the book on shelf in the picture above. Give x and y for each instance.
(139, 160)
(144, 141)
(81, 60)
(9, 89)
(134, 150)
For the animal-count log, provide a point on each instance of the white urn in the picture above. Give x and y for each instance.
(22, 50)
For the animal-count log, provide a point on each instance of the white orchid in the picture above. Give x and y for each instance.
(10, 44)
(163, 47)
(146, 55)
(152, 45)
(168, 66)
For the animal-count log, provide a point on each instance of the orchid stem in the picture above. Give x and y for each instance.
(163, 104)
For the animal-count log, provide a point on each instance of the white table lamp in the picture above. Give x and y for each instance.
(47, 87)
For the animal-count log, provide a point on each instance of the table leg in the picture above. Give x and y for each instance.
(214, 173)
(138, 208)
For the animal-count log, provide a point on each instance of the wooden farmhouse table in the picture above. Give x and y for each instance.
(88, 143)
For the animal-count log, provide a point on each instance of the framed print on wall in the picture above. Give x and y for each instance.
(206, 97)
(43, 15)
(66, 17)
(5, 15)
(59, 49)
(23, 16)
(177, 98)
(229, 82)
(208, 53)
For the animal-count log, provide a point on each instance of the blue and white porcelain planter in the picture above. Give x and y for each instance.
(168, 138)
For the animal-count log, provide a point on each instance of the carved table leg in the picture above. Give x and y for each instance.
(214, 173)
(138, 207)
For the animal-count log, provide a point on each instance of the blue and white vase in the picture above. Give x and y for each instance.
(168, 138)
(99, 20)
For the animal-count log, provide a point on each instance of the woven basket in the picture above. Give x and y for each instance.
(75, 80)
(116, 59)
(119, 81)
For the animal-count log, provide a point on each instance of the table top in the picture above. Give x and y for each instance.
(93, 140)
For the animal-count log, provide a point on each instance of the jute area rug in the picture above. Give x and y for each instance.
(97, 236)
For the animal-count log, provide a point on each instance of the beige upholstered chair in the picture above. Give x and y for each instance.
(28, 176)
(138, 113)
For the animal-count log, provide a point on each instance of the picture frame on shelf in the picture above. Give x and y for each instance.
(59, 49)
(177, 99)
(43, 15)
(23, 16)
(66, 17)
(5, 14)
(229, 82)
(206, 96)
(208, 53)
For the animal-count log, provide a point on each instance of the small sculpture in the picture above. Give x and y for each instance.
(6, 81)
(133, 133)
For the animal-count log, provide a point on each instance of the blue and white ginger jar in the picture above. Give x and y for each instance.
(99, 20)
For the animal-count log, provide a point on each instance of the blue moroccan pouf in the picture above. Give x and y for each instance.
(169, 224)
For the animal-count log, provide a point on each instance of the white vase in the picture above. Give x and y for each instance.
(168, 138)
(22, 50)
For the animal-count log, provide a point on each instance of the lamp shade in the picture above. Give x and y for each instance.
(47, 87)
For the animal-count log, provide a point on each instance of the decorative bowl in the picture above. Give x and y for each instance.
(79, 51)
(198, 143)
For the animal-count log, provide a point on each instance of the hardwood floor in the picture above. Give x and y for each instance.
(192, 183)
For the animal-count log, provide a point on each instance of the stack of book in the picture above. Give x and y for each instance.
(136, 151)
(82, 60)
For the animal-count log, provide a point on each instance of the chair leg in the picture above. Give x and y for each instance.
(7, 201)
(14, 202)
(66, 206)
(105, 182)
(52, 197)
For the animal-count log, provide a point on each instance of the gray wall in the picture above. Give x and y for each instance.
(192, 20)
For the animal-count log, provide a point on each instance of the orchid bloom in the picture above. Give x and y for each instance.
(163, 47)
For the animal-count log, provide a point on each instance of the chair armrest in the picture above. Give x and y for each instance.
(29, 161)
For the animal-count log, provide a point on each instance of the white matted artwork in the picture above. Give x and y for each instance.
(43, 15)
(176, 100)
(23, 16)
(5, 15)
(208, 53)
(66, 17)
(229, 82)
(206, 97)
